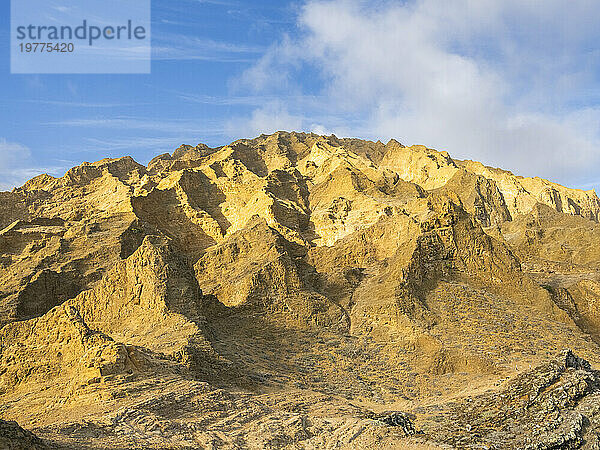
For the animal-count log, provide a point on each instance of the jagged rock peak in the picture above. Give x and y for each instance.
(188, 152)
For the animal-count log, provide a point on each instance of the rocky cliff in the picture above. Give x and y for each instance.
(299, 291)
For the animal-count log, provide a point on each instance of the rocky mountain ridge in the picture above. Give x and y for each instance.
(258, 277)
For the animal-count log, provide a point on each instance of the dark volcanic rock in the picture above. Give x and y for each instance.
(395, 419)
(13, 437)
(554, 406)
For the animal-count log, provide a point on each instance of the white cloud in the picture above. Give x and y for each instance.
(16, 165)
(11, 154)
(494, 80)
(271, 117)
(320, 129)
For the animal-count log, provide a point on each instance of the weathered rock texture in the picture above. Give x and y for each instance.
(13, 437)
(556, 405)
(299, 291)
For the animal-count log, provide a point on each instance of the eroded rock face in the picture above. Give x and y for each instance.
(555, 405)
(480, 196)
(65, 234)
(13, 437)
(258, 269)
(432, 169)
(60, 344)
(554, 237)
(521, 194)
(149, 301)
(299, 291)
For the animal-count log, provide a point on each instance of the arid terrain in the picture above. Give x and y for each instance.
(299, 291)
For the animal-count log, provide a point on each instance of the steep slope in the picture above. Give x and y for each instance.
(522, 193)
(551, 236)
(66, 232)
(150, 301)
(481, 197)
(257, 269)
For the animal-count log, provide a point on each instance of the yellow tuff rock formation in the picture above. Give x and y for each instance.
(298, 291)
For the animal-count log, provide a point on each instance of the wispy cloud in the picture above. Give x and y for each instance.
(62, 9)
(142, 145)
(182, 47)
(17, 165)
(186, 8)
(173, 126)
(249, 100)
(268, 119)
(83, 104)
(217, 2)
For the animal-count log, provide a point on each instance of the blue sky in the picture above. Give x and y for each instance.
(514, 84)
